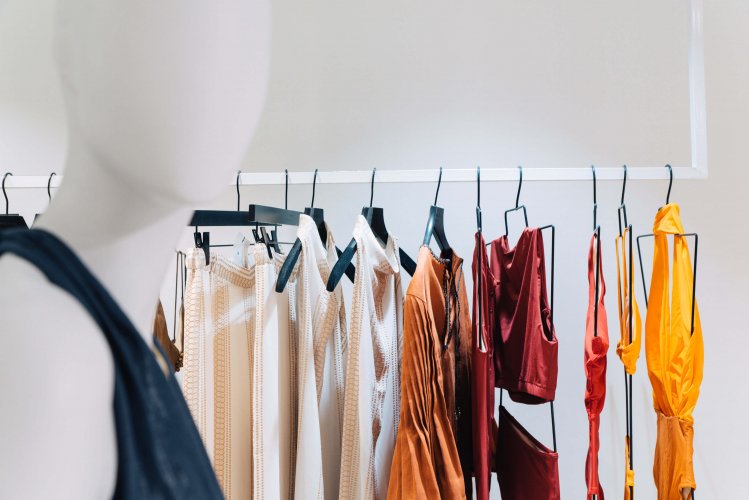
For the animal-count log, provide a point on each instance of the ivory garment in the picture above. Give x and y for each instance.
(372, 404)
(321, 367)
(239, 371)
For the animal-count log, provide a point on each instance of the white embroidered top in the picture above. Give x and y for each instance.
(321, 368)
(372, 403)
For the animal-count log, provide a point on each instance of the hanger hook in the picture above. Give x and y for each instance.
(670, 181)
(286, 192)
(439, 183)
(624, 184)
(520, 186)
(239, 173)
(478, 199)
(314, 184)
(595, 197)
(49, 185)
(5, 195)
(478, 187)
(371, 187)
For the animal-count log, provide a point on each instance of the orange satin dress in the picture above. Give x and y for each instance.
(432, 447)
(674, 356)
(628, 351)
(596, 348)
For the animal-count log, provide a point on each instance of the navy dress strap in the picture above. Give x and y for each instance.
(159, 451)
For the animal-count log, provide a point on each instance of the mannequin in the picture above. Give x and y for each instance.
(162, 100)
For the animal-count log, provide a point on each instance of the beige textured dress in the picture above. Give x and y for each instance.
(239, 366)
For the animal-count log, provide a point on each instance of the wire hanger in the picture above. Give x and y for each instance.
(597, 233)
(622, 210)
(376, 220)
(517, 202)
(49, 195)
(479, 266)
(9, 220)
(626, 229)
(436, 223)
(517, 207)
(317, 215)
(670, 182)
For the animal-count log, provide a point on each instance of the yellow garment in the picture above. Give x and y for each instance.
(675, 359)
(629, 474)
(627, 351)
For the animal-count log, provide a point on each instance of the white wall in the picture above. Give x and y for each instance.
(715, 208)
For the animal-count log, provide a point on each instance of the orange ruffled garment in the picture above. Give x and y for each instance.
(435, 418)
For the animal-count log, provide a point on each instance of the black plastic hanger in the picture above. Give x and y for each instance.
(259, 216)
(694, 265)
(9, 220)
(436, 224)
(317, 215)
(376, 220)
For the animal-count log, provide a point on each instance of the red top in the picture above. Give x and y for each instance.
(596, 348)
(525, 354)
(482, 371)
(526, 469)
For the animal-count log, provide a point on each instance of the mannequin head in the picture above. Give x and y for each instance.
(166, 95)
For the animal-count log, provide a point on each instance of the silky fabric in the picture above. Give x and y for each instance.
(484, 427)
(239, 370)
(526, 469)
(674, 357)
(627, 349)
(596, 347)
(321, 367)
(426, 462)
(159, 451)
(372, 398)
(526, 350)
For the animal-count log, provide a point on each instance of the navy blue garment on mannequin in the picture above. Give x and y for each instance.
(159, 451)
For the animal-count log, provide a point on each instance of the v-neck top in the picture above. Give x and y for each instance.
(159, 451)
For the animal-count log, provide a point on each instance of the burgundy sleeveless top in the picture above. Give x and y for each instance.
(525, 351)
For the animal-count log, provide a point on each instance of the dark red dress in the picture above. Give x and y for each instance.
(482, 370)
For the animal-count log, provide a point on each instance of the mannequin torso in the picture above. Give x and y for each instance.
(133, 174)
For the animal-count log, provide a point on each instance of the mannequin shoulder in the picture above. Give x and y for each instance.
(56, 388)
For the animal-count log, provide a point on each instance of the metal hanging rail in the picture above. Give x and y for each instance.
(423, 175)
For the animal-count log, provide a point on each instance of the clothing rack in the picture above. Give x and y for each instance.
(606, 173)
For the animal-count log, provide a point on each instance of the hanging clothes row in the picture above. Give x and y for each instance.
(394, 395)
